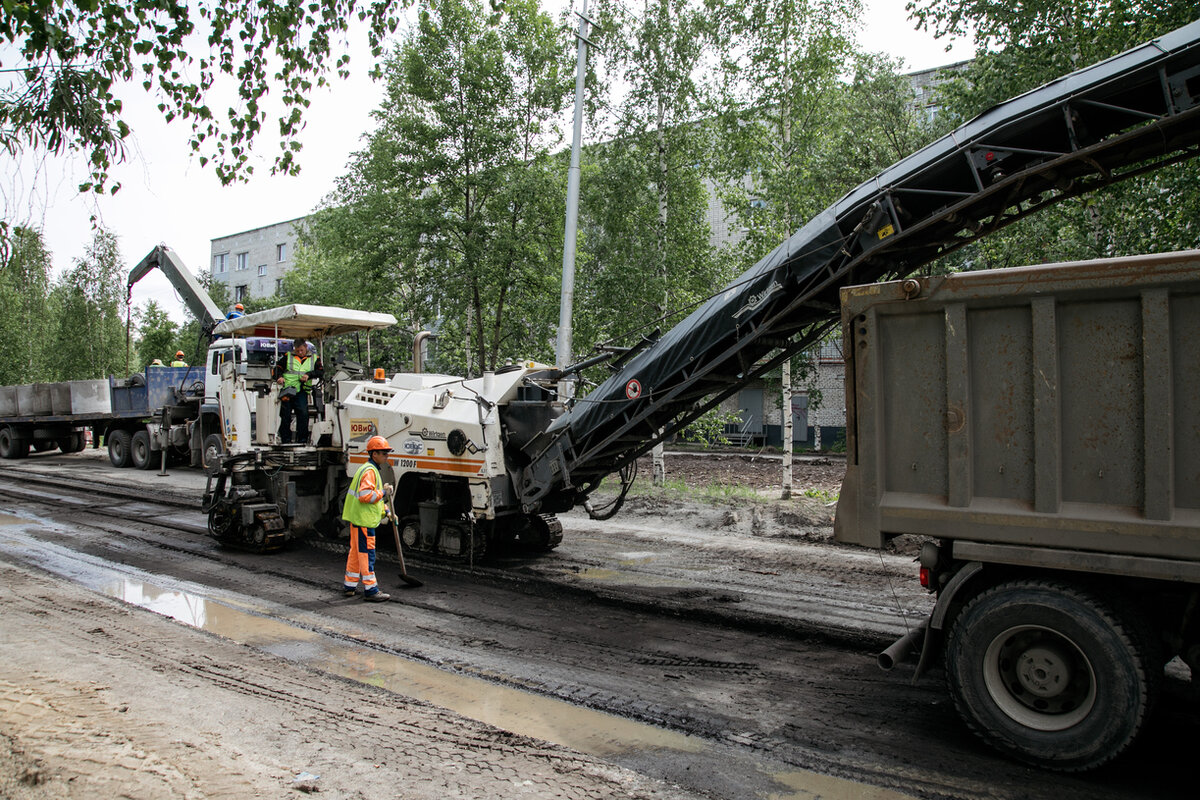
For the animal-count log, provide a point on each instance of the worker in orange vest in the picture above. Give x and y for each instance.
(363, 509)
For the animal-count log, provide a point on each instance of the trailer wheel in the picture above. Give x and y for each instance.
(118, 448)
(141, 456)
(73, 443)
(1048, 673)
(45, 446)
(12, 446)
(214, 446)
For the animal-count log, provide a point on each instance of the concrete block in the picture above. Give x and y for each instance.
(60, 399)
(33, 400)
(90, 397)
(8, 401)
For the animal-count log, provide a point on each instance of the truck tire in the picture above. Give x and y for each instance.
(141, 456)
(11, 445)
(45, 446)
(214, 446)
(1049, 674)
(118, 448)
(73, 443)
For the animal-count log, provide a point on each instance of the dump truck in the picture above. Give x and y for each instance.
(1039, 428)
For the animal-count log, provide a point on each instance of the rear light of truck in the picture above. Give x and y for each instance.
(926, 577)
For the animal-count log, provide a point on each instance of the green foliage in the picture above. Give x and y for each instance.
(29, 314)
(709, 429)
(781, 61)
(450, 214)
(90, 339)
(156, 335)
(644, 244)
(73, 56)
(1021, 46)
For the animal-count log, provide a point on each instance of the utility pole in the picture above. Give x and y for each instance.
(562, 353)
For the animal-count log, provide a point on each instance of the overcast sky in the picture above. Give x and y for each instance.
(167, 197)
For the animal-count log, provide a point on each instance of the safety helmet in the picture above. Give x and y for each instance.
(179, 354)
(239, 307)
(378, 443)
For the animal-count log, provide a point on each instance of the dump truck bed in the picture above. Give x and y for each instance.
(1055, 406)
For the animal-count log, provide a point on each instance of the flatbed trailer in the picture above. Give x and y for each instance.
(135, 416)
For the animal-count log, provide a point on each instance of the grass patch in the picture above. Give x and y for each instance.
(678, 488)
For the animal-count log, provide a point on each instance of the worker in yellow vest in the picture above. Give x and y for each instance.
(296, 372)
(363, 509)
(178, 362)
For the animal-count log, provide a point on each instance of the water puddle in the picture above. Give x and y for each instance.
(513, 710)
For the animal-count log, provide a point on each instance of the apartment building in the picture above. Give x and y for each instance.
(252, 263)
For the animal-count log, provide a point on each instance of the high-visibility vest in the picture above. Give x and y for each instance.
(296, 368)
(178, 364)
(356, 512)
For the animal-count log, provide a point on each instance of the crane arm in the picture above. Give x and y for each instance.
(194, 297)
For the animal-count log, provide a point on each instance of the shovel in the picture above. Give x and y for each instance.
(408, 580)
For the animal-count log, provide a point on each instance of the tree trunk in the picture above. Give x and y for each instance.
(658, 457)
(787, 428)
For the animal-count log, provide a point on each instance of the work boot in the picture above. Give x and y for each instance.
(378, 597)
(349, 591)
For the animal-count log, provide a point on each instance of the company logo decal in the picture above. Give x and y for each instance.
(756, 300)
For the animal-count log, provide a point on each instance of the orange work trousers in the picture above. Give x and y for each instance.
(360, 564)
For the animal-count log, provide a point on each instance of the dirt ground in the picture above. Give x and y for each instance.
(100, 700)
(752, 469)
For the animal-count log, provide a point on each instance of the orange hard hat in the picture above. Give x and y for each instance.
(179, 353)
(239, 307)
(378, 443)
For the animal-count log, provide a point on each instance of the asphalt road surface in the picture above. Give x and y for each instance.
(665, 653)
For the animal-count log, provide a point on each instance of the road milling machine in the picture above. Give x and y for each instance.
(494, 457)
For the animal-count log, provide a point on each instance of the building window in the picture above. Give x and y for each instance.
(243, 260)
(281, 252)
(239, 294)
(220, 263)
(279, 286)
(262, 270)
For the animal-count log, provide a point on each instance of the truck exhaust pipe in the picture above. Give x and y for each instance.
(417, 342)
(902, 647)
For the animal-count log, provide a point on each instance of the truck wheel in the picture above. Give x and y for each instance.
(1048, 673)
(214, 446)
(11, 446)
(45, 446)
(118, 448)
(141, 456)
(73, 443)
